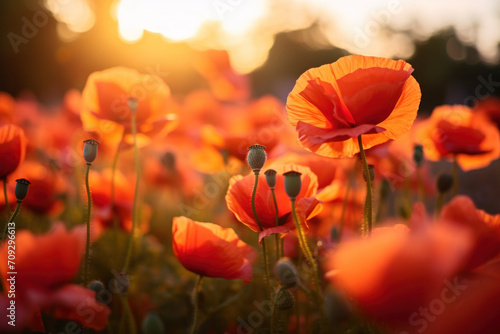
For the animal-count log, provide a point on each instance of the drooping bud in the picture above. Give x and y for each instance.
(21, 191)
(284, 299)
(102, 295)
(256, 157)
(90, 150)
(287, 273)
(168, 160)
(270, 178)
(152, 324)
(292, 184)
(418, 154)
(371, 170)
(133, 103)
(444, 183)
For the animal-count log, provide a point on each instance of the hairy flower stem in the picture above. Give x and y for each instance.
(279, 249)
(307, 252)
(196, 294)
(136, 194)
(368, 211)
(455, 176)
(7, 205)
(16, 211)
(87, 243)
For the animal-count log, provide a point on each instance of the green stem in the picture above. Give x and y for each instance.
(254, 192)
(16, 211)
(87, 244)
(368, 219)
(279, 251)
(196, 293)
(7, 205)
(128, 315)
(305, 248)
(112, 193)
(439, 204)
(455, 175)
(344, 203)
(136, 194)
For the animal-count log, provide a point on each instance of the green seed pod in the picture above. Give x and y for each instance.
(21, 191)
(133, 103)
(152, 324)
(270, 178)
(292, 184)
(418, 154)
(284, 299)
(444, 183)
(256, 157)
(90, 150)
(287, 273)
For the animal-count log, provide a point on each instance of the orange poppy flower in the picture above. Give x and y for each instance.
(12, 148)
(105, 107)
(210, 250)
(331, 105)
(490, 107)
(239, 194)
(46, 265)
(457, 131)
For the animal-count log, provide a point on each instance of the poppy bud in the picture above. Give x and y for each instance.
(256, 157)
(133, 103)
(270, 178)
(418, 154)
(168, 160)
(22, 189)
(371, 170)
(152, 324)
(444, 183)
(90, 150)
(292, 184)
(284, 299)
(96, 286)
(286, 273)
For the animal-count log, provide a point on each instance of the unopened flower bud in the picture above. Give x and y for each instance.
(168, 160)
(21, 191)
(287, 273)
(284, 299)
(371, 170)
(133, 103)
(102, 295)
(256, 157)
(292, 184)
(96, 286)
(90, 150)
(270, 178)
(152, 324)
(444, 183)
(418, 154)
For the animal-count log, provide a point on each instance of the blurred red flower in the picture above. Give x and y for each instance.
(105, 107)
(12, 148)
(332, 105)
(457, 131)
(46, 265)
(210, 250)
(239, 194)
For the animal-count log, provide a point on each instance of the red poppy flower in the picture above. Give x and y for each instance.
(46, 265)
(12, 148)
(105, 107)
(210, 250)
(490, 107)
(457, 131)
(239, 194)
(331, 105)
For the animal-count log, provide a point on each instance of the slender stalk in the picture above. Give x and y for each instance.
(16, 211)
(279, 250)
(439, 204)
(196, 293)
(254, 192)
(136, 194)
(7, 205)
(112, 192)
(305, 248)
(127, 316)
(87, 244)
(344, 203)
(455, 175)
(368, 212)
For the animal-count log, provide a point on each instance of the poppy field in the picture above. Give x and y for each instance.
(130, 207)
